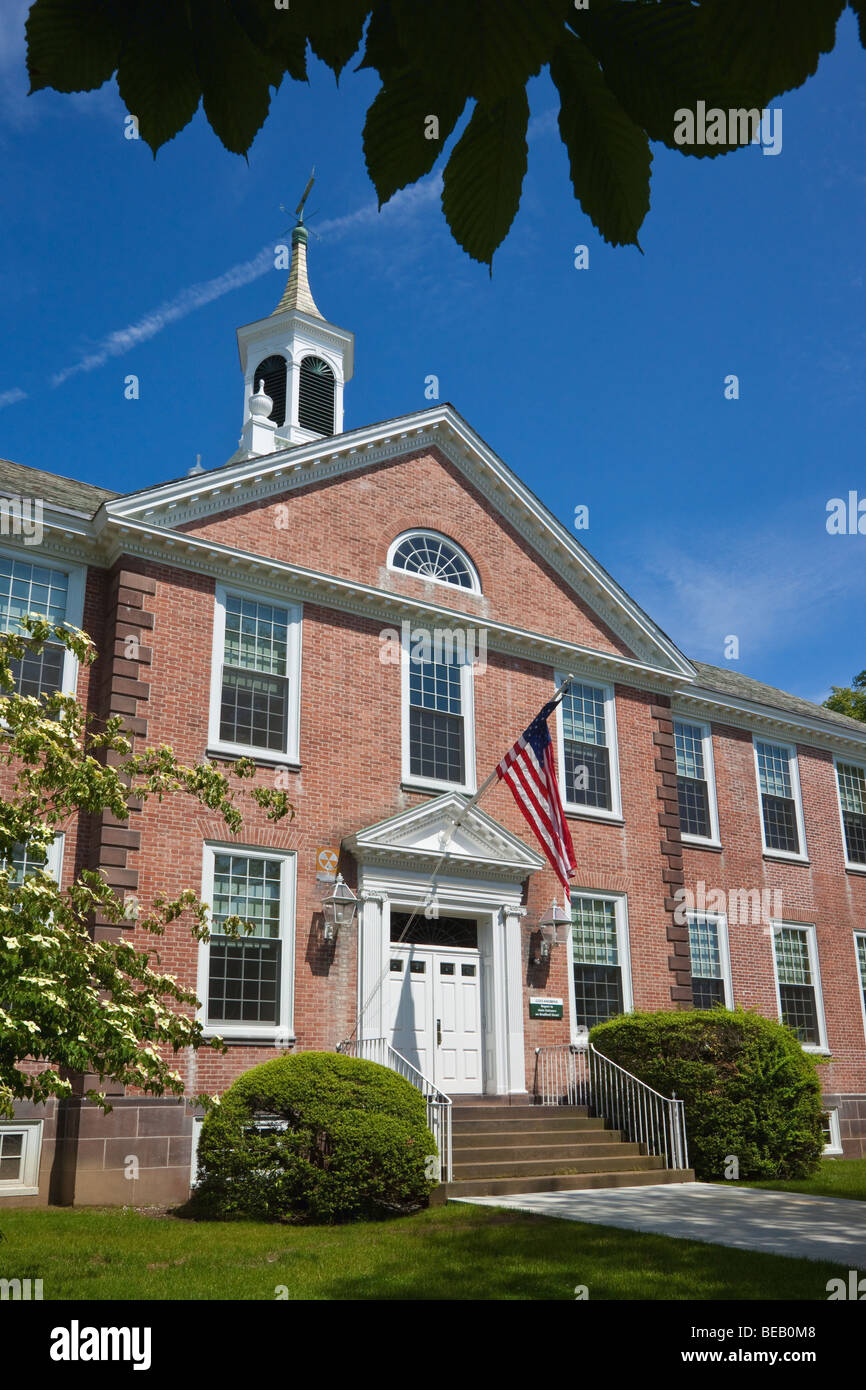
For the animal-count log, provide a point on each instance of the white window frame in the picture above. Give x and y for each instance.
(721, 921)
(77, 577)
(291, 753)
(802, 857)
(834, 1148)
(284, 1030)
(28, 1183)
(430, 578)
(815, 970)
(848, 762)
(713, 840)
(612, 745)
(467, 700)
(861, 989)
(620, 902)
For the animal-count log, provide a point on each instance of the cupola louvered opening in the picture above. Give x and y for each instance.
(316, 402)
(273, 373)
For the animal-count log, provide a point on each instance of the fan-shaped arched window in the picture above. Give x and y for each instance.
(273, 373)
(316, 399)
(434, 557)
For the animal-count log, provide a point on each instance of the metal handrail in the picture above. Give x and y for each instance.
(570, 1075)
(438, 1104)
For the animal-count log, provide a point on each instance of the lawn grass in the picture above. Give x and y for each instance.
(452, 1252)
(837, 1177)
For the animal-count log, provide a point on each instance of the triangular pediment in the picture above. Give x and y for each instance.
(418, 838)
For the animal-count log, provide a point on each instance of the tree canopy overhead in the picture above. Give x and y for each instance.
(622, 69)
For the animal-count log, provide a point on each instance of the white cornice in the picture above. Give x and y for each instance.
(775, 723)
(178, 503)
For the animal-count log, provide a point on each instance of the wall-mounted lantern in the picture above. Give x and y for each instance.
(555, 917)
(338, 908)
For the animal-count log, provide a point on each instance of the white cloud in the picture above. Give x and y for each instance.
(12, 396)
(402, 208)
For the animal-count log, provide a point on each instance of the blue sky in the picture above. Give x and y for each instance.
(602, 387)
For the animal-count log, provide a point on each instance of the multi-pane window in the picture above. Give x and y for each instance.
(20, 1148)
(693, 789)
(852, 797)
(778, 797)
(860, 939)
(433, 557)
(254, 706)
(597, 968)
(708, 960)
(796, 974)
(437, 734)
(587, 740)
(29, 588)
(11, 1155)
(245, 972)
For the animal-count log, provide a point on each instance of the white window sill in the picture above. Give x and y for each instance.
(855, 868)
(784, 858)
(274, 1038)
(829, 1152)
(18, 1190)
(594, 813)
(256, 755)
(816, 1051)
(411, 784)
(697, 842)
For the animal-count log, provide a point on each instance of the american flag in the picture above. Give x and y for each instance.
(530, 772)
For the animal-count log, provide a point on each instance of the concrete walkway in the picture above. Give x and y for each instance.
(779, 1223)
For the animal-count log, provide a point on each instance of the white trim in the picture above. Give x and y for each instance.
(284, 1030)
(27, 1185)
(216, 745)
(467, 701)
(614, 812)
(713, 840)
(861, 984)
(802, 856)
(420, 531)
(815, 970)
(623, 951)
(834, 1148)
(721, 921)
(74, 617)
(197, 1122)
(849, 762)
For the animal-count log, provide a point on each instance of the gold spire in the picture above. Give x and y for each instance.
(297, 294)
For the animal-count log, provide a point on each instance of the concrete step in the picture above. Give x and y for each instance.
(516, 1138)
(564, 1182)
(538, 1167)
(502, 1113)
(487, 1124)
(561, 1154)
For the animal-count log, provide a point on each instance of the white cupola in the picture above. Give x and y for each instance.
(298, 363)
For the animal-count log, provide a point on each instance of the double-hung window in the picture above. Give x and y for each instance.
(46, 592)
(779, 789)
(256, 677)
(798, 982)
(245, 982)
(860, 947)
(711, 969)
(600, 963)
(852, 802)
(20, 1148)
(588, 753)
(693, 747)
(438, 743)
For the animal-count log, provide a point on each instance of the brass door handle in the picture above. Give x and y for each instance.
(438, 1032)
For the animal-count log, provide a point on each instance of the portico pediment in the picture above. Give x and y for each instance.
(416, 839)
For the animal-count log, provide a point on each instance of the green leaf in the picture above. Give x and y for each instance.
(656, 61)
(396, 147)
(72, 45)
(609, 155)
(236, 76)
(859, 8)
(484, 176)
(769, 46)
(279, 34)
(156, 76)
(334, 27)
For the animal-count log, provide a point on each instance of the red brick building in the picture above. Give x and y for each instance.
(374, 615)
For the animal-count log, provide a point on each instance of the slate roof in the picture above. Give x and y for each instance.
(65, 492)
(727, 682)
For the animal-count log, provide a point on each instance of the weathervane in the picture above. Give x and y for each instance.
(299, 210)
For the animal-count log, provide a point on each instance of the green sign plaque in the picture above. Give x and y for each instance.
(545, 1008)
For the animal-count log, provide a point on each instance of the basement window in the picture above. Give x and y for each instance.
(20, 1149)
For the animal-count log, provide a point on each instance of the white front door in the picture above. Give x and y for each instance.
(435, 1013)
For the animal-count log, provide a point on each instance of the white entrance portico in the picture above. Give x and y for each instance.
(444, 987)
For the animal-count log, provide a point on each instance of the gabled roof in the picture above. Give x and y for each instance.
(417, 839)
(18, 481)
(727, 682)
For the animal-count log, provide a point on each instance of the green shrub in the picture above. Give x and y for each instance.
(353, 1143)
(749, 1088)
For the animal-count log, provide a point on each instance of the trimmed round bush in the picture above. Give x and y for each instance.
(315, 1137)
(749, 1088)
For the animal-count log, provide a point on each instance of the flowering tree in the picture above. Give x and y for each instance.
(70, 1003)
